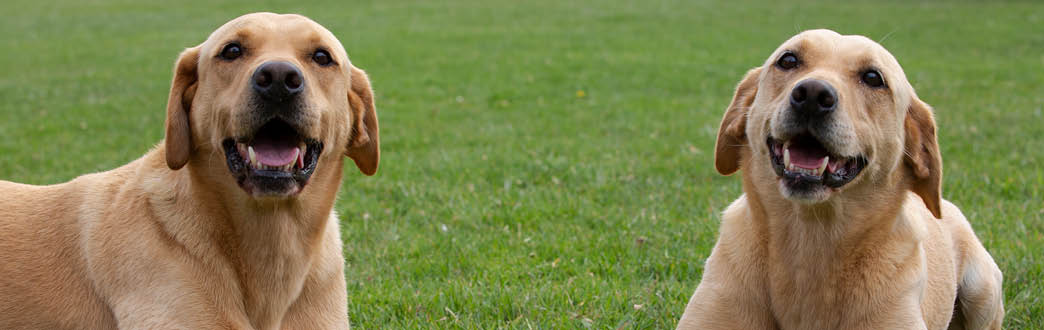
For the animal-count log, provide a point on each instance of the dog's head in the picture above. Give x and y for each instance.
(276, 98)
(826, 113)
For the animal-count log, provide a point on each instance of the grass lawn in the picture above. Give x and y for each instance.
(546, 164)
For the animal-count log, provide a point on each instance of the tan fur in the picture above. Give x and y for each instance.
(170, 241)
(882, 252)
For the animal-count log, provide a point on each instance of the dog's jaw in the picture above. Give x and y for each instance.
(807, 171)
(274, 162)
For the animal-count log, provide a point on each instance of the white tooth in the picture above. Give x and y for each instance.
(822, 167)
(253, 156)
(786, 157)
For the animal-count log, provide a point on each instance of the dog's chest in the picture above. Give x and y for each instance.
(270, 299)
(273, 280)
(836, 288)
(805, 299)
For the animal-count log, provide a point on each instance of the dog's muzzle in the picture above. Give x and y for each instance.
(275, 159)
(802, 158)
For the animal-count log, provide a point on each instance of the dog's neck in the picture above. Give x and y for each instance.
(834, 221)
(838, 242)
(268, 245)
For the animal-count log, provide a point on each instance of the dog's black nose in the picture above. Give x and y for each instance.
(277, 81)
(813, 98)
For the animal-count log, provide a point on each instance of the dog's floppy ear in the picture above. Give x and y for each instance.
(732, 136)
(178, 140)
(364, 143)
(922, 155)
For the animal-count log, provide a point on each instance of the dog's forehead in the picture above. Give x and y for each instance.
(279, 28)
(850, 49)
(854, 53)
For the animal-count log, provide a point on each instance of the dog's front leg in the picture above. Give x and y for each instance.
(713, 308)
(146, 311)
(979, 297)
(727, 297)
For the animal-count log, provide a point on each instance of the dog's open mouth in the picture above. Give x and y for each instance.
(803, 162)
(275, 161)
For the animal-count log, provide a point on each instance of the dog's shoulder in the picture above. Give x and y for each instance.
(742, 236)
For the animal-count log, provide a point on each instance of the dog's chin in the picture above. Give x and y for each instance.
(273, 162)
(807, 172)
(804, 192)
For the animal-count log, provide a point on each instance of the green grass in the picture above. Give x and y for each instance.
(546, 164)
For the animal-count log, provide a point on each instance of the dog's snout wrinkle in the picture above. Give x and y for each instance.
(277, 81)
(813, 98)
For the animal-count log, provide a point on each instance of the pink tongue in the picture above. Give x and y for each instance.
(806, 157)
(274, 153)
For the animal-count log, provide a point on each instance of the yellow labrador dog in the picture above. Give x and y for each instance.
(841, 224)
(229, 222)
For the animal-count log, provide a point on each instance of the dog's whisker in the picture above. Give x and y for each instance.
(889, 34)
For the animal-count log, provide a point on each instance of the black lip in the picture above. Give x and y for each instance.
(801, 181)
(270, 181)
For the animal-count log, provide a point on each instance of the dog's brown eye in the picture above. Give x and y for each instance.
(873, 78)
(787, 61)
(231, 51)
(321, 57)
